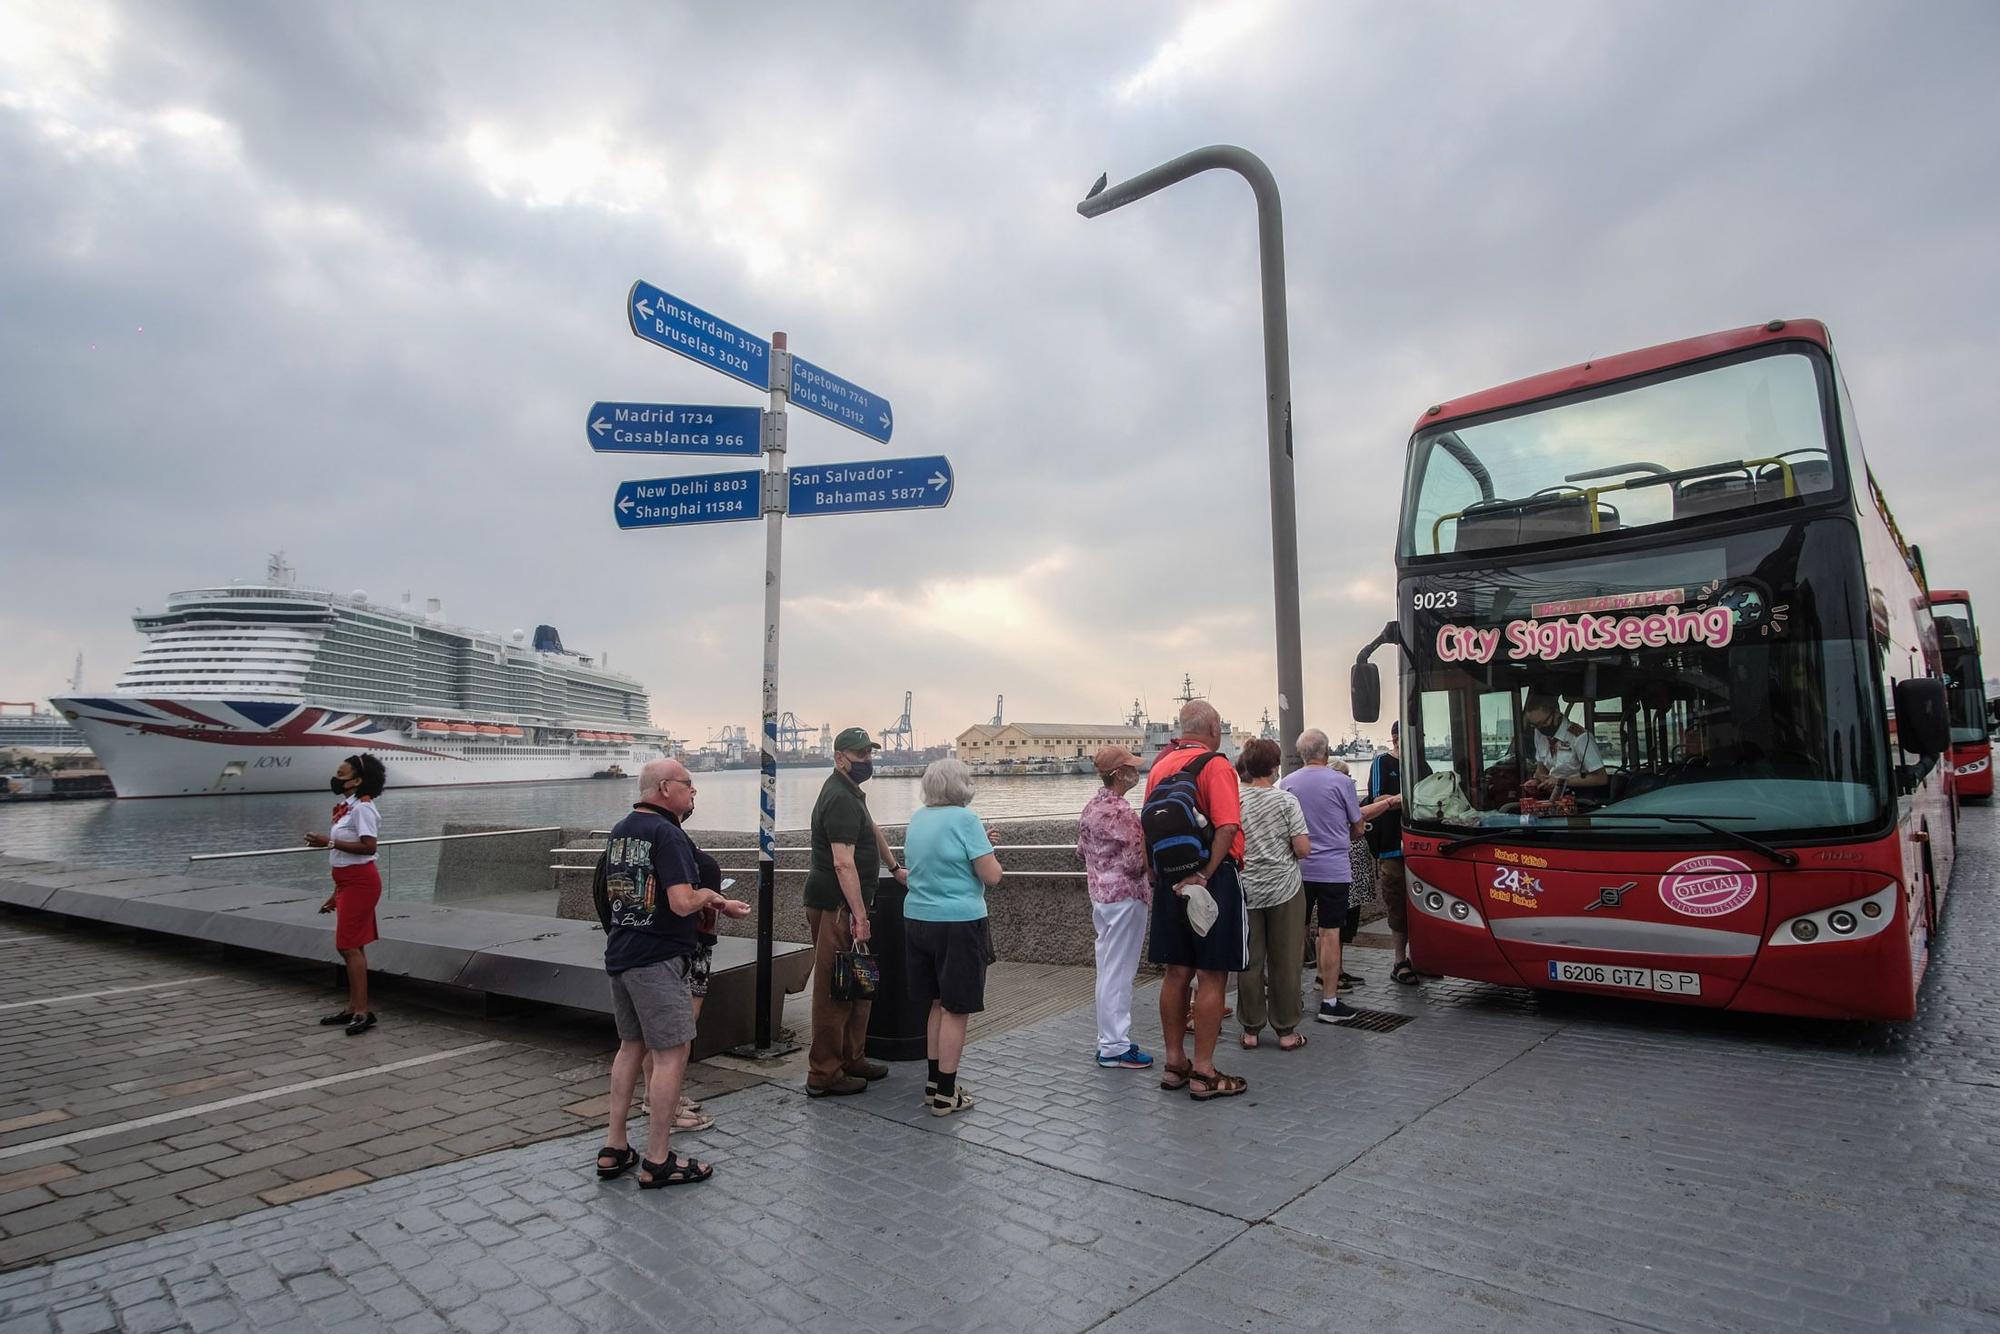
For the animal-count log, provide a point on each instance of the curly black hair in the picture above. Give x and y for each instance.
(373, 777)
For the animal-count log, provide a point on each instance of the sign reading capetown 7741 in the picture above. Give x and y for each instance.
(659, 317)
(841, 401)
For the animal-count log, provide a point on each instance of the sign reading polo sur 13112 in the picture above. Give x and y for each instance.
(841, 401)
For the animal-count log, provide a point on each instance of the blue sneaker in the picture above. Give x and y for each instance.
(1131, 1059)
(1336, 1012)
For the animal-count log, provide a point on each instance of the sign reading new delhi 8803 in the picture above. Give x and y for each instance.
(662, 318)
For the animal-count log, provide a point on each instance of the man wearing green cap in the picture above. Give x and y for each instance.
(848, 851)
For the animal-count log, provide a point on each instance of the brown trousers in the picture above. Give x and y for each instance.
(1270, 988)
(839, 1028)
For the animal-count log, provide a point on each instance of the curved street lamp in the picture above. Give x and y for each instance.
(1277, 395)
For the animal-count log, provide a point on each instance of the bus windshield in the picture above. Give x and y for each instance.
(1670, 447)
(1729, 679)
(1958, 642)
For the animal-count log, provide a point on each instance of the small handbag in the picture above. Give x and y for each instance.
(857, 975)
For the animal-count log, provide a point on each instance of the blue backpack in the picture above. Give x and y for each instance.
(1177, 831)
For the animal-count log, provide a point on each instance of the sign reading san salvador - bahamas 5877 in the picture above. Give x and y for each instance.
(1712, 626)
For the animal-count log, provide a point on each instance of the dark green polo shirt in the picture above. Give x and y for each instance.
(841, 816)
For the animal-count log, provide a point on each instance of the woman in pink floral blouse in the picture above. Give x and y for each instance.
(1114, 861)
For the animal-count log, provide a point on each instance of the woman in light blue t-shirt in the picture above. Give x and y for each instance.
(946, 941)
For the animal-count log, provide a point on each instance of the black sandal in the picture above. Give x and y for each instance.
(1404, 972)
(627, 1159)
(675, 1171)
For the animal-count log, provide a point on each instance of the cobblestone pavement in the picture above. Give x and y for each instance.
(199, 1088)
(1503, 1161)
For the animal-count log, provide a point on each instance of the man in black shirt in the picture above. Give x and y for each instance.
(648, 882)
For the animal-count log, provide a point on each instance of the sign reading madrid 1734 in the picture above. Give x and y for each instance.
(673, 428)
(884, 484)
(840, 401)
(667, 502)
(660, 317)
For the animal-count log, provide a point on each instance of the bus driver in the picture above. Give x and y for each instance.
(1565, 753)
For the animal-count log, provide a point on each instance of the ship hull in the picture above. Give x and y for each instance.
(195, 746)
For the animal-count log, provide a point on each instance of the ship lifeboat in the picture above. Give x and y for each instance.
(490, 729)
(433, 728)
(463, 729)
(512, 731)
(588, 736)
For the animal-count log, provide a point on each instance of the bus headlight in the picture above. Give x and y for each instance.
(1854, 920)
(1434, 902)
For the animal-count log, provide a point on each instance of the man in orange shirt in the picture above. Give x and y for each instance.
(1186, 954)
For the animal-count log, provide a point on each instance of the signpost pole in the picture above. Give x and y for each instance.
(774, 499)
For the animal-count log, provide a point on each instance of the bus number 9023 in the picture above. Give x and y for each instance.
(1442, 600)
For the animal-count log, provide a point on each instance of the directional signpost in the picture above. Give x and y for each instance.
(672, 502)
(840, 401)
(886, 484)
(673, 428)
(838, 488)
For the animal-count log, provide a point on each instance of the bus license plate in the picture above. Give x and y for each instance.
(1632, 979)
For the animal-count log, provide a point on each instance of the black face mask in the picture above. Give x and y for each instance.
(339, 786)
(860, 771)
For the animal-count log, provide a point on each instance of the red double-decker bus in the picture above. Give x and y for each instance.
(1958, 642)
(1674, 713)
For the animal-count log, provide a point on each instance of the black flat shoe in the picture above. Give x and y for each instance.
(341, 1020)
(360, 1024)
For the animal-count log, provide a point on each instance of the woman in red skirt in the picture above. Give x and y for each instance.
(357, 885)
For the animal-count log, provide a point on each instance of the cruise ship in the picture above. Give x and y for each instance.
(266, 687)
(41, 731)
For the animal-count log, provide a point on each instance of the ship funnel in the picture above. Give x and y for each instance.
(434, 607)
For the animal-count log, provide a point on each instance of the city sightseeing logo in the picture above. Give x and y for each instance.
(1713, 626)
(1707, 886)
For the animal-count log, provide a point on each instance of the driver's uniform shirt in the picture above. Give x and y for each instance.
(1570, 753)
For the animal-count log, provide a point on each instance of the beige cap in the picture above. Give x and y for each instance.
(1113, 758)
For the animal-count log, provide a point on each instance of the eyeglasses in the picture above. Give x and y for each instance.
(689, 781)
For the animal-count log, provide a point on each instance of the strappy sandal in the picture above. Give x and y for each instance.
(623, 1161)
(957, 1100)
(1174, 1078)
(1251, 1041)
(1202, 1087)
(675, 1171)
(1297, 1040)
(1404, 972)
(692, 1123)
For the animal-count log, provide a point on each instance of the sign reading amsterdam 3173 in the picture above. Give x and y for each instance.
(660, 317)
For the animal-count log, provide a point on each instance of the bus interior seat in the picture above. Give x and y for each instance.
(1712, 495)
(1808, 476)
(1480, 527)
(1567, 517)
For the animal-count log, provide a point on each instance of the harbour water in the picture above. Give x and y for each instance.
(161, 833)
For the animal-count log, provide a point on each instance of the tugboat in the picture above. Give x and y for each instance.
(613, 772)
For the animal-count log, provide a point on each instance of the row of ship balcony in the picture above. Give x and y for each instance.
(433, 728)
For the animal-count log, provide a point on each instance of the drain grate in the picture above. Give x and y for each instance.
(1377, 1021)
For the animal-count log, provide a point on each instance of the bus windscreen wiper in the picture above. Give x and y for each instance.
(1778, 855)
(1494, 835)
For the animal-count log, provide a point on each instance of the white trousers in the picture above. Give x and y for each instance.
(1121, 934)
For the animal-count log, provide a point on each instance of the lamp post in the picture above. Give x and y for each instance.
(1277, 396)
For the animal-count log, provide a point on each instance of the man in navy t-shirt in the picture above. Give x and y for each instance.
(647, 881)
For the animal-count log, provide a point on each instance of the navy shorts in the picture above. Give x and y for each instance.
(946, 963)
(1225, 949)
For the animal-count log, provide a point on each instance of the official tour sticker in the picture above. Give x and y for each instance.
(1707, 886)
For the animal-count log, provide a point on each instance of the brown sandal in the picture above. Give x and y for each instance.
(1202, 1087)
(1174, 1078)
(1251, 1042)
(1283, 1038)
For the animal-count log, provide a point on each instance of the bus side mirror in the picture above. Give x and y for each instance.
(1364, 688)
(1923, 718)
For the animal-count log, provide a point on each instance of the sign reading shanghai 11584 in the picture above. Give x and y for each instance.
(662, 318)
(883, 484)
(665, 502)
(840, 401)
(673, 428)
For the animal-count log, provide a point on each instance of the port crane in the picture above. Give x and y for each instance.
(794, 735)
(900, 729)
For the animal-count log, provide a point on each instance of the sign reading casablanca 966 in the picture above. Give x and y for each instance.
(1713, 626)
(673, 428)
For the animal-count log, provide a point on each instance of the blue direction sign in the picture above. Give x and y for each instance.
(840, 401)
(672, 428)
(660, 317)
(883, 484)
(669, 502)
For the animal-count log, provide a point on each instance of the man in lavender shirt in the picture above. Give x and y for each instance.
(1333, 822)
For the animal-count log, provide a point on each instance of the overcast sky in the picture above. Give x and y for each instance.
(342, 279)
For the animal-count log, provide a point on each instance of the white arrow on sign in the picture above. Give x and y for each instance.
(885, 421)
(938, 481)
(624, 504)
(645, 310)
(600, 426)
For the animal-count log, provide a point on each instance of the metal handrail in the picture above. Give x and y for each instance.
(380, 843)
